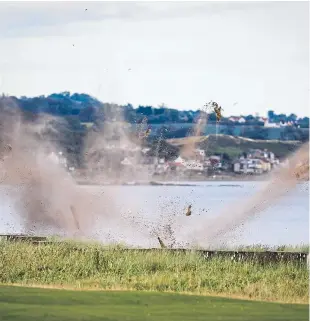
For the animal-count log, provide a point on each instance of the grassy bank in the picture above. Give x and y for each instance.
(234, 145)
(26, 304)
(90, 267)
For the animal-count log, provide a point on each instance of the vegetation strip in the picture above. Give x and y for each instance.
(159, 270)
(260, 254)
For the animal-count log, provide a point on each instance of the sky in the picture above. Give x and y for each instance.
(250, 57)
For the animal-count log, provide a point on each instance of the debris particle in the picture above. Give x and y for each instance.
(73, 211)
(189, 210)
(147, 132)
(162, 245)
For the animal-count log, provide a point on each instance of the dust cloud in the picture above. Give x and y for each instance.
(50, 202)
(46, 197)
(188, 150)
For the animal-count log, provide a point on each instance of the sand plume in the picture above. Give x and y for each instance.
(188, 150)
(44, 191)
(280, 183)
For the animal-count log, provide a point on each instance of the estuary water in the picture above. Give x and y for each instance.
(284, 222)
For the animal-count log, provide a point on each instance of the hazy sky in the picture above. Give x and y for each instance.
(182, 54)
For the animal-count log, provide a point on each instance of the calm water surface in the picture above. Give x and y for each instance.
(285, 222)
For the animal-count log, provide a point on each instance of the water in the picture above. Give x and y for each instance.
(285, 222)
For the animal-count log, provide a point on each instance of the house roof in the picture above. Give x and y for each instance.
(179, 160)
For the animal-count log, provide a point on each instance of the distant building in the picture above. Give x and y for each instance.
(201, 152)
(194, 166)
(179, 161)
(256, 161)
(249, 166)
(262, 119)
(271, 125)
(214, 159)
(57, 159)
(199, 155)
(234, 119)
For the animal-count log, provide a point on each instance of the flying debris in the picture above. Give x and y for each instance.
(214, 107)
(162, 245)
(7, 150)
(189, 211)
(73, 211)
(147, 132)
(218, 112)
(302, 171)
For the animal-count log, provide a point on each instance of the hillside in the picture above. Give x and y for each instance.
(234, 146)
(80, 113)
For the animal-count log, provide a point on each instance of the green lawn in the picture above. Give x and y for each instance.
(23, 304)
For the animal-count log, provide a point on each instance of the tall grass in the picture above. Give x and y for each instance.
(301, 248)
(90, 266)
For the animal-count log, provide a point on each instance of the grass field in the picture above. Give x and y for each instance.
(31, 304)
(92, 267)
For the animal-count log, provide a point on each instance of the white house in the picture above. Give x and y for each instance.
(240, 120)
(249, 166)
(194, 166)
(179, 160)
(201, 152)
(271, 125)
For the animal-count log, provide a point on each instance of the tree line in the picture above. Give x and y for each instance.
(82, 112)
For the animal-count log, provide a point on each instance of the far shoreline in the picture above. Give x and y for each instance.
(173, 181)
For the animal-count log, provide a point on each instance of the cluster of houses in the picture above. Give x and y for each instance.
(256, 161)
(198, 163)
(281, 124)
(266, 121)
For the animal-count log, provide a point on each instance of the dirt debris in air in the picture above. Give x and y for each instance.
(47, 198)
(189, 210)
(162, 245)
(49, 201)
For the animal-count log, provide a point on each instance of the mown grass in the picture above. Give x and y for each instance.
(29, 304)
(89, 266)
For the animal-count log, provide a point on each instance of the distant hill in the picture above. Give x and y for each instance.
(89, 109)
(82, 113)
(85, 111)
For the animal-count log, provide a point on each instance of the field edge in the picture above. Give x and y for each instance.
(124, 289)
